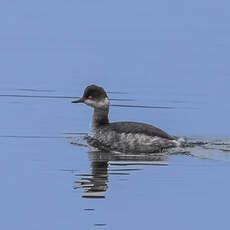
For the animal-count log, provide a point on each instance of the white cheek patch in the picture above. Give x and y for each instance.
(98, 104)
(90, 102)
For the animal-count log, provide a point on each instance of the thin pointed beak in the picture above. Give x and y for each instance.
(81, 100)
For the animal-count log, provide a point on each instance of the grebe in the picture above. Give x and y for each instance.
(122, 136)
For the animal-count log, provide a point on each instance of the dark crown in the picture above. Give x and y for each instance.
(95, 92)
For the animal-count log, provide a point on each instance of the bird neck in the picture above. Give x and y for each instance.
(100, 117)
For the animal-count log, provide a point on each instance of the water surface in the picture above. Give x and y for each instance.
(164, 63)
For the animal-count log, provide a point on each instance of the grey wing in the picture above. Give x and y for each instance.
(137, 127)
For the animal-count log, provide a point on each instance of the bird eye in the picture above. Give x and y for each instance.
(90, 97)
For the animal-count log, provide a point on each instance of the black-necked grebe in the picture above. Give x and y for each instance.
(121, 136)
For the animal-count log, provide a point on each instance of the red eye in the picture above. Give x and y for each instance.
(90, 97)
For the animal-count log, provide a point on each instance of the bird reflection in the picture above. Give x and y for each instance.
(103, 164)
(94, 185)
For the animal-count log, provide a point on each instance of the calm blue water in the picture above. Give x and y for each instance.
(161, 53)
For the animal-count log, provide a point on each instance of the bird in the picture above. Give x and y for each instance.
(124, 136)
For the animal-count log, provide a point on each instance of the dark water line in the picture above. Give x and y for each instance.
(99, 224)
(153, 107)
(136, 164)
(113, 99)
(30, 96)
(83, 174)
(95, 197)
(144, 106)
(120, 174)
(35, 137)
(69, 170)
(118, 170)
(37, 90)
(54, 97)
(116, 92)
(75, 133)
